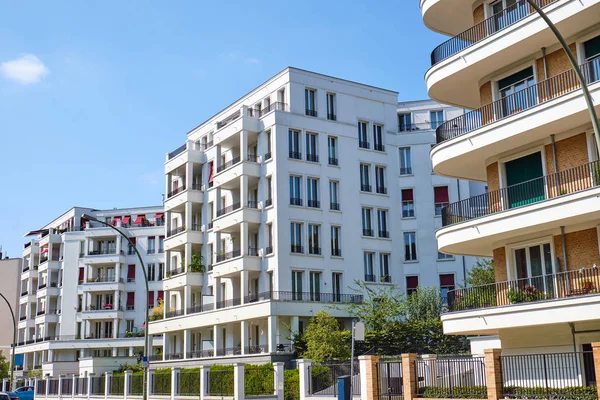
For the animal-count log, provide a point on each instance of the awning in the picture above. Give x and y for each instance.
(130, 299)
(407, 194)
(44, 250)
(441, 194)
(210, 171)
(115, 219)
(36, 232)
(131, 272)
(158, 216)
(139, 219)
(126, 219)
(447, 280)
(161, 295)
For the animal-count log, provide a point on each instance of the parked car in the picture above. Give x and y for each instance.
(9, 396)
(25, 392)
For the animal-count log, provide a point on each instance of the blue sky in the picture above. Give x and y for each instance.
(93, 94)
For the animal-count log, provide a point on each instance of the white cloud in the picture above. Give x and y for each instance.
(27, 69)
(252, 60)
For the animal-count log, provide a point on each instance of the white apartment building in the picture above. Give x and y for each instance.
(290, 195)
(83, 296)
(10, 268)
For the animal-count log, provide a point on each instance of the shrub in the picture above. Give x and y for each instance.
(259, 380)
(457, 392)
(189, 381)
(220, 381)
(291, 384)
(162, 381)
(158, 312)
(571, 393)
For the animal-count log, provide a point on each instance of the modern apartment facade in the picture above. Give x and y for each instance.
(83, 296)
(530, 138)
(289, 196)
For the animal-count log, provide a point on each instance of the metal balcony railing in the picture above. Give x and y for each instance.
(296, 155)
(177, 151)
(334, 206)
(381, 189)
(365, 188)
(311, 113)
(379, 147)
(175, 191)
(368, 232)
(312, 157)
(295, 201)
(363, 144)
(333, 161)
(419, 126)
(228, 256)
(175, 231)
(295, 248)
(313, 203)
(228, 164)
(228, 209)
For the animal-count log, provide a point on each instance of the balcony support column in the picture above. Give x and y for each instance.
(187, 259)
(272, 332)
(217, 290)
(244, 335)
(188, 215)
(117, 272)
(189, 171)
(244, 191)
(186, 342)
(119, 244)
(217, 161)
(115, 331)
(216, 338)
(50, 355)
(244, 239)
(244, 145)
(243, 283)
(295, 325)
(187, 301)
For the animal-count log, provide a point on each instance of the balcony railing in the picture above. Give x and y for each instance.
(334, 206)
(314, 250)
(525, 99)
(295, 201)
(175, 231)
(229, 119)
(24, 293)
(331, 117)
(304, 297)
(419, 126)
(269, 250)
(272, 107)
(336, 252)
(368, 232)
(173, 313)
(370, 278)
(253, 251)
(363, 144)
(175, 191)
(384, 234)
(405, 170)
(333, 161)
(200, 308)
(177, 151)
(365, 188)
(252, 204)
(268, 156)
(104, 307)
(547, 187)
(228, 209)
(104, 279)
(229, 255)
(379, 147)
(381, 189)
(228, 303)
(563, 285)
(296, 248)
(311, 113)
(485, 29)
(296, 155)
(312, 157)
(314, 203)
(228, 164)
(100, 252)
(175, 271)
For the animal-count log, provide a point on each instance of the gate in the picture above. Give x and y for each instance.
(390, 380)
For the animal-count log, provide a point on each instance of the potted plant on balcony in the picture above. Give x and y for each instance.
(158, 311)
(197, 264)
(587, 285)
(107, 306)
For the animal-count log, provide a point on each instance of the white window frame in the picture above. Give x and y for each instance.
(414, 204)
(416, 255)
(409, 166)
(511, 262)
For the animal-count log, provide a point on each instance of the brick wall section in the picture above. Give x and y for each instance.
(596, 350)
(372, 376)
(485, 93)
(570, 153)
(493, 374)
(478, 15)
(409, 379)
(500, 264)
(582, 249)
(556, 62)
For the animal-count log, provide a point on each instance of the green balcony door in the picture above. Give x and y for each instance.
(524, 180)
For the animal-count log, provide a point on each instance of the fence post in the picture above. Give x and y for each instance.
(89, 385)
(127, 383)
(35, 385)
(278, 372)
(304, 375)
(60, 385)
(73, 384)
(150, 382)
(175, 382)
(47, 379)
(493, 374)
(107, 382)
(4, 384)
(409, 376)
(203, 381)
(369, 381)
(596, 354)
(238, 381)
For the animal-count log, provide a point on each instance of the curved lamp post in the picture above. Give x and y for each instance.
(14, 343)
(146, 337)
(582, 83)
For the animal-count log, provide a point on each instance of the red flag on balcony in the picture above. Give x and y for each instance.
(210, 171)
(44, 250)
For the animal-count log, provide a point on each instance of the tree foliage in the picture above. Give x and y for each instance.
(325, 340)
(482, 273)
(4, 366)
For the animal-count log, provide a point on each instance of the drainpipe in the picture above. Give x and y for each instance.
(545, 64)
(464, 264)
(554, 152)
(564, 248)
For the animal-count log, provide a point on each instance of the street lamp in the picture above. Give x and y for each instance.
(146, 337)
(14, 343)
(582, 83)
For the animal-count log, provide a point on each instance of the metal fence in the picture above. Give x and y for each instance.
(189, 383)
(97, 385)
(117, 385)
(81, 386)
(323, 378)
(550, 376)
(136, 386)
(220, 382)
(389, 378)
(259, 380)
(161, 383)
(451, 378)
(41, 388)
(66, 386)
(53, 387)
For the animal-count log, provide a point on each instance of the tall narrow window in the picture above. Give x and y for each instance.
(332, 150)
(151, 244)
(365, 179)
(412, 283)
(384, 268)
(336, 279)
(446, 285)
(380, 180)
(440, 194)
(404, 123)
(363, 137)
(312, 192)
(297, 289)
(314, 244)
(269, 249)
(309, 100)
(382, 221)
(295, 195)
(315, 285)
(436, 118)
(336, 249)
(294, 144)
(161, 244)
(408, 204)
(378, 137)
(296, 237)
(405, 161)
(591, 52)
(366, 222)
(151, 272)
(311, 147)
(331, 107)
(268, 145)
(269, 194)
(368, 263)
(511, 103)
(410, 246)
(334, 202)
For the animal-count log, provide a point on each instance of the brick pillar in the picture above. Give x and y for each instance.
(369, 381)
(493, 374)
(409, 376)
(596, 350)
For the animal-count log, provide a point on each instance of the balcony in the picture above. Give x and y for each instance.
(368, 232)
(231, 263)
(312, 158)
(295, 201)
(384, 234)
(182, 195)
(296, 155)
(243, 119)
(297, 249)
(228, 256)
(363, 144)
(313, 203)
(313, 250)
(103, 284)
(180, 235)
(334, 206)
(365, 188)
(104, 256)
(229, 218)
(178, 278)
(421, 126)
(565, 198)
(524, 302)
(311, 113)
(381, 190)
(370, 278)
(378, 147)
(105, 311)
(331, 117)
(333, 161)
(228, 209)
(551, 106)
(228, 174)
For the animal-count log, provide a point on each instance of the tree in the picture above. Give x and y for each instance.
(325, 340)
(4, 366)
(481, 274)
(381, 306)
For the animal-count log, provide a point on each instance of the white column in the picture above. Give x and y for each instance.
(295, 324)
(149, 382)
(187, 298)
(244, 335)
(73, 384)
(238, 381)
(115, 351)
(244, 191)
(364, 370)
(186, 342)
(244, 145)
(88, 389)
(174, 379)
(216, 335)
(189, 172)
(50, 355)
(243, 283)
(279, 392)
(272, 333)
(131, 351)
(117, 271)
(115, 329)
(127, 387)
(303, 366)
(188, 253)
(188, 215)
(203, 381)
(119, 244)
(217, 290)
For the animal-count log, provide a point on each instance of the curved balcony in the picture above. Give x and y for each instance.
(477, 225)
(551, 106)
(449, 17)
(516, 34)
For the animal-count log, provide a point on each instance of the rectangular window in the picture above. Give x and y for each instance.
(151, 244)
(332, 150)
(294, 144)
(268, 154)
(382, 221)
(366, 221)
(532, 263)
(131, 273)
(297, 289)
(331, 107)
(130, 325)
(269, 196)
(311, 147)
(410, 246)
(161, 272)
(161, 244)
(378, 137)
(405, 161)
(336, 249)
(315, 286)
(334, 202)
(446, 284)
(365, 179)
(269, 239)
(312, 192)
(436, 118)
(380, 180)
(130, 301)
(444, 256)
(384, 268)
(368, 262)
(510, 85)
(404, 123)
(408, 203)
(336, 279)
(309, 101)
(314, 244)
(295, 186)
(151, 272)
(296, 237)
(440, 198)
(363, 137)
(412, 283)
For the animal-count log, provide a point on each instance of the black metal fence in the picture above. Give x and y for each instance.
(389, 378)
(220, 382)
(189, 383)
(40, 390)
(451, 378)
(323, 378)
(161, 383)
(97, 386)
(565, 376)
(259, 380)
(53, 386)
(81, 386)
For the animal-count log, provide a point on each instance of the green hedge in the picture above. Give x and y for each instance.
(259, 380)
(291, 384)
(161, 384)
(137, 383)
(571, 393)
(189, 382)
(457, 392)
(117, 384)
(220, 381)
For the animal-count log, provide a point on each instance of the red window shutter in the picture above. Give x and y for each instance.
(81, 274)
(151, 298)
(441, 194)
(446, 280)
(132, 240)
(412, 282)
(131, 271)
(161, 295)
(407, 195)
(130, 299)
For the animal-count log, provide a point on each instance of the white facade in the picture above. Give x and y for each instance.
(10, 268)
(83, 292)
(261, 191)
